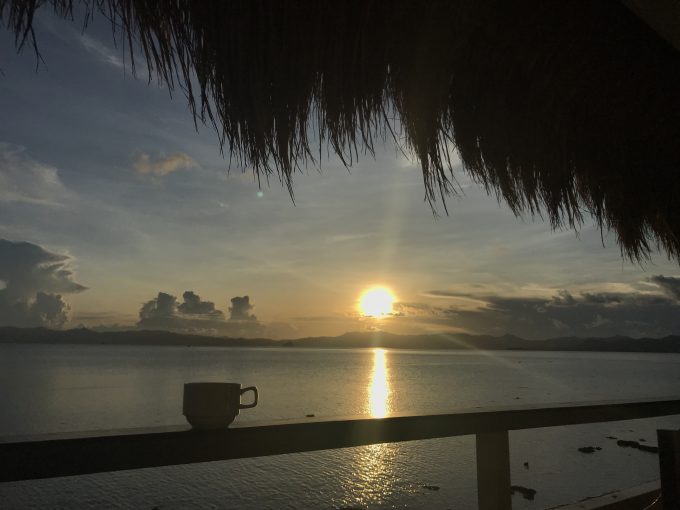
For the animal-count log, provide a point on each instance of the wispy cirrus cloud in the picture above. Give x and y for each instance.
(101, 51)
(343, 238)
(23, 179)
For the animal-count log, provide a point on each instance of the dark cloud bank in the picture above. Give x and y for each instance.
(638, 314)
(193, 315)
(34, 280)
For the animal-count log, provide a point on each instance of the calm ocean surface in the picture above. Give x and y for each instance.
(74, 388)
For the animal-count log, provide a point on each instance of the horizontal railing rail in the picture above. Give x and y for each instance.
(54, 455)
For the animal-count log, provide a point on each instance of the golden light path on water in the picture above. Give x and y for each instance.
(375, 478)
(379, 390)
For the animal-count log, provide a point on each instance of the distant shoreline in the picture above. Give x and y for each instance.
(354, 340)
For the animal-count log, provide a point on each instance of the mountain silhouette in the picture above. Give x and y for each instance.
(350, 340)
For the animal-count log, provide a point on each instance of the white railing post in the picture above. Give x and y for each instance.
(493, 471)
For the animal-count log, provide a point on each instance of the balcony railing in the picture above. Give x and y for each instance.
(53, 455)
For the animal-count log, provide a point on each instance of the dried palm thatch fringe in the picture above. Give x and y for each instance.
(557, 107)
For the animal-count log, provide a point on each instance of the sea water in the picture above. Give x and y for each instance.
(54, 388)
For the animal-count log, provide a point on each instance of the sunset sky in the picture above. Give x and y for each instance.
(120, 199)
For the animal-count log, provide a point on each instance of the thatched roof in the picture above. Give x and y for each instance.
(557, 107)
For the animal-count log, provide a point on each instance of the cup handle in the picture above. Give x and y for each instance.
(247, 406)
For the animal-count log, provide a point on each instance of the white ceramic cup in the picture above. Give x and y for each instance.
(214, 405)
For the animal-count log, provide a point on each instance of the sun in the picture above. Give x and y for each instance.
(376, 302)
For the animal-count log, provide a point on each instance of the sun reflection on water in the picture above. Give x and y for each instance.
(374, 479)
(379, 389)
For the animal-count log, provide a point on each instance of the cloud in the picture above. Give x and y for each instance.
(162, 166)
(443, 293)
(27, 268)
(196, 316)
(240, 308)
(563, 298)
(193, 305)
(404, 309)
(102, 52)
(48, 310)
(602, 314)
(162, 306)
(22, 179)
(464, 300)
(670, 285)
(343, 238)
(603, 298)
(34, 280)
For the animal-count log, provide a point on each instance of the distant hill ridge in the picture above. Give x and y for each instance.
(352, 340)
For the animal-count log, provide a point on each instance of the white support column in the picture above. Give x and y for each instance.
(493, 471)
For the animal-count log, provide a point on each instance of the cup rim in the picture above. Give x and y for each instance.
(211, 383)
